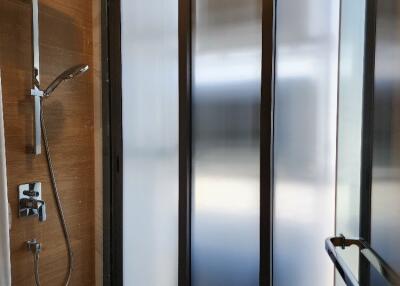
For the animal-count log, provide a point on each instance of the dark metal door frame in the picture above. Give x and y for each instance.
(367, 134)
(112, 144)
(185, 141)
(112, 134)
(266, 140)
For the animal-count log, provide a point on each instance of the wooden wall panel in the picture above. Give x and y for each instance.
(98, 135)
(73, 114)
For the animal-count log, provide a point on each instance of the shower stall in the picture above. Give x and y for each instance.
(229, 141)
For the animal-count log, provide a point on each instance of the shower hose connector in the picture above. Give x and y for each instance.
(35, 247)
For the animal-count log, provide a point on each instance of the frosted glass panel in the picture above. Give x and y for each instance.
(385, 223)
(226, 112)
(351, 66)
(150, 141)
(305, 141)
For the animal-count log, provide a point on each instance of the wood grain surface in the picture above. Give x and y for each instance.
(69, 31)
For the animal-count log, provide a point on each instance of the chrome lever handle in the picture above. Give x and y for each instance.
(42, 212)
(340, 265)
(32, 206)
(373, 258)
(30, 201)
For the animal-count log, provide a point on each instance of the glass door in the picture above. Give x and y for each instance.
(385, 191)
(365, 249)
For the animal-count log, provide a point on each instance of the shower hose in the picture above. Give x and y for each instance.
(58, 203)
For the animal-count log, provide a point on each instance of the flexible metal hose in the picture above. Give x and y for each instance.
(57, 199)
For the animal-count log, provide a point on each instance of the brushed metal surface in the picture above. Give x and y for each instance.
(36, 69)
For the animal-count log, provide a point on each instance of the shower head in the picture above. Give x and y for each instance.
(66, 75)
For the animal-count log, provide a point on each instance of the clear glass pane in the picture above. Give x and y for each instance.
(226, 112)
(305, 140)
(351, 67)
(150, 141)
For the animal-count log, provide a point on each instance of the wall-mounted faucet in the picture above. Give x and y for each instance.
(35, 247)
(30, 201)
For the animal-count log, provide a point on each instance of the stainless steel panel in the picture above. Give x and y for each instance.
(36, 69)
(385, 224)
(226, 111)
(305, 140)
(351, 74)
(150, 141)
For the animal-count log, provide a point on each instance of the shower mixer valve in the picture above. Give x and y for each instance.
(30, 201)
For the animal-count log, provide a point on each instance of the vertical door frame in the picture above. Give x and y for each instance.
(185, 141)
(112, 144)
(266, 140)
(367, 134)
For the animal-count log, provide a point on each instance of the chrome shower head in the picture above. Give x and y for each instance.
(66, 75)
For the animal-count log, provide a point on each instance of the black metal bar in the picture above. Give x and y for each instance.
(367, 252)
(266, 140)
(367, 134)
(113, 135)
(106, 145)
(185, 142)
